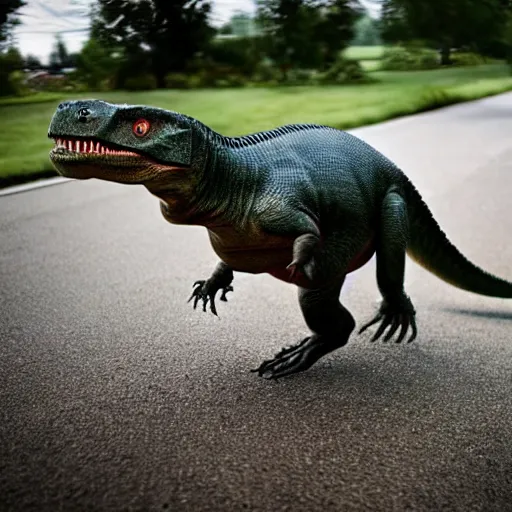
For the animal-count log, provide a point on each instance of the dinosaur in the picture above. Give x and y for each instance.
(305, 203)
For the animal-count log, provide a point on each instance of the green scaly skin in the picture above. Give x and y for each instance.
(307, 204)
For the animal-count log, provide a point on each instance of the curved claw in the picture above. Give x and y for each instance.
(394, 327)
(394, 316)
(293, 359)
(224, 291)
(377, 318)
(205, 292)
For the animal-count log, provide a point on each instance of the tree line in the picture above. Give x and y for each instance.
(162, 43)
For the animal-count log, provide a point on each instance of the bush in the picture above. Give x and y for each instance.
(143, 82)
(205, 78)
(17, 83)
(301, 77)
(177, 81)
(235, 80)
(241, 55)
(266, 73)
(467, 59)
(412, 58)
(344, 71)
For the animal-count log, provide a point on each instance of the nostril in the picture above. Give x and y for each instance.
(63, 105)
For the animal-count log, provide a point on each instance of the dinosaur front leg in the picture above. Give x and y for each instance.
(330, 323)
(304, 248)
(206, 290)
(396, 309)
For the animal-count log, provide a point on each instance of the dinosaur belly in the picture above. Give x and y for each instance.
(252, 251)
(362, 257)
(256, 253)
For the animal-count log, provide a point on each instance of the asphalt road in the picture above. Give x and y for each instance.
(115, 395)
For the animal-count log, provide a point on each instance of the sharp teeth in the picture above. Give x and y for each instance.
(91, 147)
(70, 145)
(97, 147)
(102, 150)
(77, 146)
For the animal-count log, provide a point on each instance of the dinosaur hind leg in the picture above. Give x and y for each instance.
(331, 324)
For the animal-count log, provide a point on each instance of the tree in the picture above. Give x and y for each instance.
(159, 35)
(335, 27)
(8, 19)
(289, 27)
(366, 32)
(11, 63)
(445, 23)
(307, 33)
(60, 57)
(96, 65)
(32, 62)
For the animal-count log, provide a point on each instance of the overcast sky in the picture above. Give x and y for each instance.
(41, 20)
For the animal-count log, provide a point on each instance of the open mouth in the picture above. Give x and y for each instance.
(65, 145)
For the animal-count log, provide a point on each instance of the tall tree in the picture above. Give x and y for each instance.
(366, 32)
(307, 33)
(444, 23)
(96, 65)
(8, 18)
(335, 27)
(162, 35)
(32, 62)
(60, 57)
(289, 27)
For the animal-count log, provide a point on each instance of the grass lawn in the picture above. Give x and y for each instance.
(24, 145)
(364, 52)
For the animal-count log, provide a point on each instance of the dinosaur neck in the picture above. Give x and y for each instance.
(219, 187)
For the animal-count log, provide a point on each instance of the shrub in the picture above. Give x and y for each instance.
(467, 59)
(412, 58)
(143, 82)
(300, 77)
(235, 80)
(266, 73)
(17, 83)
(241, 55)
(205, 78)
(177, 81)
(344, 71)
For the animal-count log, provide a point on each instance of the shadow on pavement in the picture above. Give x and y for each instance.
(502, 315)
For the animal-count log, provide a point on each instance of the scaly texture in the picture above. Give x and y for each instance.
(305, 203)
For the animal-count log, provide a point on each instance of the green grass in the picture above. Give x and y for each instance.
(364, 52)
(24, 146)
(40, 97)
(370, 65)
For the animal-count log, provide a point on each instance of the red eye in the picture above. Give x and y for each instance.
(141, 127)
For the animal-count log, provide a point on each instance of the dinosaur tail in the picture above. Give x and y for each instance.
(430, 247)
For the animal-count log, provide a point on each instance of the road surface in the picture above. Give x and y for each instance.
(116, 396)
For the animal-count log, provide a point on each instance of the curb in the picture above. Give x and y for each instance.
(16, 189)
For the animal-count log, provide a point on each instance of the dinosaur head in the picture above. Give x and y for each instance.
(121, 143)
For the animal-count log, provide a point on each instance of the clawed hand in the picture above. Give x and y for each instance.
(206, 291)
(397, 315)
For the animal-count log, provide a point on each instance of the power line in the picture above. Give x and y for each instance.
(71, 30)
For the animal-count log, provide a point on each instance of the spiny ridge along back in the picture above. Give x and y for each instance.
(255, 138)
